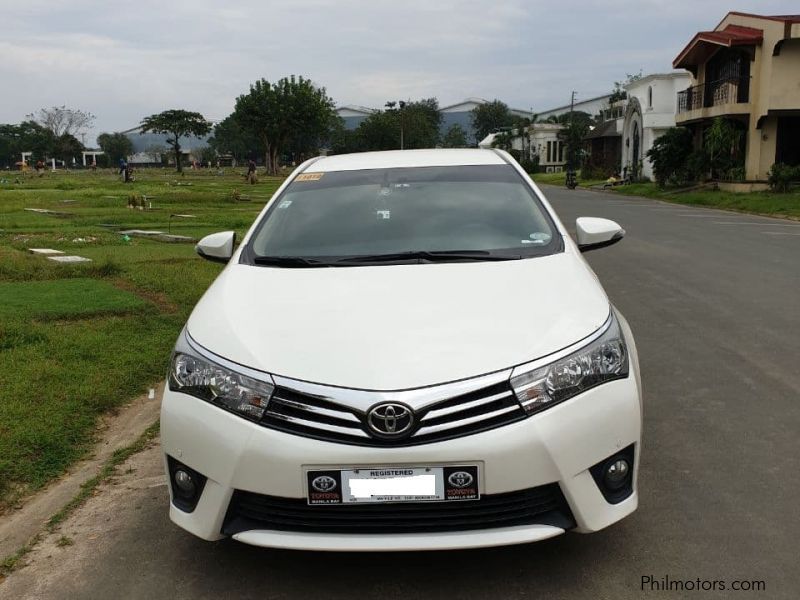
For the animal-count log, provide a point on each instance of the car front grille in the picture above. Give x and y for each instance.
(324, 418)
(543, 505)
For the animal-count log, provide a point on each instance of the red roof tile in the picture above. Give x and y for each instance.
(732, 35)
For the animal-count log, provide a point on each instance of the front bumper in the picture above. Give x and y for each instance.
(558, 445)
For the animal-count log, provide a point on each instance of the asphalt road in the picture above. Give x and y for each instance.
(714, 301)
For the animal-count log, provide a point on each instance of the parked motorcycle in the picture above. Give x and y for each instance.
(572, 180)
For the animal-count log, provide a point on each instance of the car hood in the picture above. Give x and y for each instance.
(394, 327)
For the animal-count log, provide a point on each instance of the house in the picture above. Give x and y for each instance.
(649, 112)
(459, 114)
(592, 106)
(547, 145)
(543, 142)
(604, 147)
(746, 70)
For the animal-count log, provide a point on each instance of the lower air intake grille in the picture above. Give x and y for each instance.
(543, 505)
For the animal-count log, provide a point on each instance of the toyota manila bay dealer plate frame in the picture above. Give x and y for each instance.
(393, 484)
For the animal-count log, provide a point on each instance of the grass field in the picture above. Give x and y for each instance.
(559, 179)
(765, 203)
(79, 340)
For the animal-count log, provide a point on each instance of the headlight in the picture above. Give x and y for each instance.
(603, 359)
(198, 376)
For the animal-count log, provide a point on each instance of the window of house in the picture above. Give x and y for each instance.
(560, 151)
(650, 97)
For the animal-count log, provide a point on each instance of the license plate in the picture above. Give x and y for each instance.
(393, 484)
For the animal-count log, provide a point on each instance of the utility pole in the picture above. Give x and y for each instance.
(402, 104)
(571, 106)
(571, 110)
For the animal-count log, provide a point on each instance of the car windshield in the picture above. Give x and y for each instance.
(421, 214)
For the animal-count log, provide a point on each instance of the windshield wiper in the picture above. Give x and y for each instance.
(428, 256)
(290, 261)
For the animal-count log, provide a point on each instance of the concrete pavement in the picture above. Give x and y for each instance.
(714, 301)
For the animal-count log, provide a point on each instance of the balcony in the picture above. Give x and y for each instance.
(714, 98)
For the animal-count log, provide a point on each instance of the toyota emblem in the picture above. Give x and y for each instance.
(460, 479)
(390, 419)
(323, 483)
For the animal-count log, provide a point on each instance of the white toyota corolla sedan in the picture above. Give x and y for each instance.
(406, 351)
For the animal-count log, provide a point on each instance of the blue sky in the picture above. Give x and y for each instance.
(123, 61)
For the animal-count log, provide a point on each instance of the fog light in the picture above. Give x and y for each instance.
(616, 475)
(184, 483)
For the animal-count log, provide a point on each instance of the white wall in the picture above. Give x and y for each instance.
(657, 116)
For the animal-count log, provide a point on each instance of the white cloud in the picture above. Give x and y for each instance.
(125, 61)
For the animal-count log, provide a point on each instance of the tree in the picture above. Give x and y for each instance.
(669, 156)
(230, 137)
(576, 128)
(419, 122)
(722, 143)
(379, 131)
(343, 140)
(61, 120)
(115, 145)
(177, 124)
(455, 137)
(504, 139)
(67, 148)
(291, 115)
(205, 154)
(619, 93)
(490, 117)
(28, 136)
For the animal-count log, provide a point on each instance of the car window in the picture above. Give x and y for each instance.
(385, 211)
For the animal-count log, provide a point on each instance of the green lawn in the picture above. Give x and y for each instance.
(64, 298)
(559, 179)
(765, 203)
(80, 340)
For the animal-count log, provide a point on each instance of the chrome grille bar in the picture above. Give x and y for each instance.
(441, 412)
(464, 422)
(324, 427)
(336, 414)
(339, 414)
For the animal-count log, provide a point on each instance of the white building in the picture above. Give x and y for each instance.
(649, 112)
(353, 115)
(543, 141)
(547, 144)
(592, 106)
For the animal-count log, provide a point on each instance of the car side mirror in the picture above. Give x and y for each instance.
(217, 247)
(594, 233)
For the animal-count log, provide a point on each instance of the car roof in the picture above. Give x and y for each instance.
(406, 158)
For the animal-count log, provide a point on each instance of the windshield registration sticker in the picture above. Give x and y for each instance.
(309, 177)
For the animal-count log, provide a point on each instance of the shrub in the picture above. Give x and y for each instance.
(698, 166)
(780, 177)
(735, 174)
(723, 144)
(530, 165)
(669, 156)
(590, 171)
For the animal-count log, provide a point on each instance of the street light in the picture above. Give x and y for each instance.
(402, 104)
